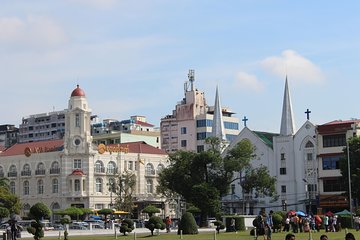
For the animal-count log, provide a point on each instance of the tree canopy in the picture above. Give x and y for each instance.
(8, 200)
(203, 178)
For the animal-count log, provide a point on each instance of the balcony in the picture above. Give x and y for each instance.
(26, 173)
(54, 170)
(12, 174)
(150, 172)
(99, 170)
(40, 172)
(112, 171)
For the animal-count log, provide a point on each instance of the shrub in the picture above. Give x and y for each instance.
(155, 222)
(219, 225)
(187, 224)
(127, 225)
(277, 221)
(239, 223)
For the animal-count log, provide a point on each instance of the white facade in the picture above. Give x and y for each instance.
(75, 172)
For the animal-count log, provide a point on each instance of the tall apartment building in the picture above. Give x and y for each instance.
(192, 121)
(8, 135)
(43, 126)
(331, 139)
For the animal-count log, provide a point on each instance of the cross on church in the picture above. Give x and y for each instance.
(244, 120)
(308, 114)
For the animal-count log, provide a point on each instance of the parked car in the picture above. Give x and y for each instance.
(77, 227)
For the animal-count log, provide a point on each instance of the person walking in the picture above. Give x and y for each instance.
(269, 224)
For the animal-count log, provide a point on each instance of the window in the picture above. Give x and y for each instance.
(232, 188)
(333, 185)
(149, 186)
(283, 188)
(55, 186)
(149, 170)
(77, 163)
(231, 125)
(55, 169)
(40, 186)
(130, 165)
(183, 143)
(309, 156)
(111, 168)
(111, 184)
(183, 130)
(282, 156)
(200, 148)
(40, 169)
(26, 188)
(12, 187)
(77, 120)
(99, 167)
(201, 135)
(309, 145)
(77, 187)
(98, 185)
(282, 171)
(99, 206)
(26, 168)
(330, 163)
(160, 167)
(204, 123)
(337, 140)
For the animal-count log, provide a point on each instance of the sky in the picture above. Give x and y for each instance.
(132, 57)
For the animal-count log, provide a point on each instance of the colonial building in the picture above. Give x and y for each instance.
(75, 172)
(192, 120)
(290, 156)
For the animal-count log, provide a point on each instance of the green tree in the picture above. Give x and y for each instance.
(202, 178)
(354, 154)
(124, 188)
(38, 212)
(3, 213)
(7, 199)
(127, 225)
(150, 210)
(155, 222)
(74, 212)
(187, 224)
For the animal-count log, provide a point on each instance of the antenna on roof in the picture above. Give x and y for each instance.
(191, 77)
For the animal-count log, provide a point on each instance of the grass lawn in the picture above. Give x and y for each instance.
(210, 236)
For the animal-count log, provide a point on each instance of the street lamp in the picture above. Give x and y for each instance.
(309, 198)
(349, 178)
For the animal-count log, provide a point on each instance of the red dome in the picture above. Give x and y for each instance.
(78, 92)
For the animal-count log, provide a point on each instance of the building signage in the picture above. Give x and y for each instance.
(102, 148)
(28, 151)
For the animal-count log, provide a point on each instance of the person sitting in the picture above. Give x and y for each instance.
(290, 236)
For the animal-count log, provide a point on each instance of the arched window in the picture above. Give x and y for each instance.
(12, 187)
(77, 187)
(26, 168)
(99, 167)
(40, 166)
(40, 169)
(149, 170)
(26, 188)
(309, 144)
(111, 167)
(40, 186)
(55, 165)
(55, 185)
(112, 185)
(55, 168)
(12, 171)
(98, 185)
(149, 186)
(160, 167)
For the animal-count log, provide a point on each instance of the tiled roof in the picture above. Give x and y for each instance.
(77, 172)
(144, 123)
(341, 122)
(266, 137)
(2, 148)
(32, 147)
(139, 147)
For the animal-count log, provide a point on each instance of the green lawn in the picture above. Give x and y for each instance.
(210, 236)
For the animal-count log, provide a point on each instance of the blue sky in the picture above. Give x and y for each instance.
(132, 57)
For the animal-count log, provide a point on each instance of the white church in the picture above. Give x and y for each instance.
(290, 156)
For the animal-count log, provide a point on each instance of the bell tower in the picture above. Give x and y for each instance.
(77, 123)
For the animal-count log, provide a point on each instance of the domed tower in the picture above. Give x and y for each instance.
(77, 123)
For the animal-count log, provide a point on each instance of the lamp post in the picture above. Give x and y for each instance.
(349, 178)
(309, 199)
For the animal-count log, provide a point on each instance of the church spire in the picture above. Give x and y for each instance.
(218, 129)
(287, 124)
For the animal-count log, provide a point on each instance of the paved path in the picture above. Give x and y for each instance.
(25, 234)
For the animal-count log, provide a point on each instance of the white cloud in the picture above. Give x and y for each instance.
(298, 68)
(102, 4)
(34, 31)
(247, 81)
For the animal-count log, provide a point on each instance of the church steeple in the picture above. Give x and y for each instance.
(218, 129)
(287, 123)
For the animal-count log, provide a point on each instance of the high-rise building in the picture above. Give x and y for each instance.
(192, 121)
(8, 136)
(43, 126)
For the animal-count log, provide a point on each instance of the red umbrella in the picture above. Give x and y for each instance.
(318, 219)
(329, 213)
(291, 212)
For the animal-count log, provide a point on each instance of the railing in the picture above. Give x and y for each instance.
(12, 174)
(99, 169)
(26, 173)
(54, 170)
(40, 172)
